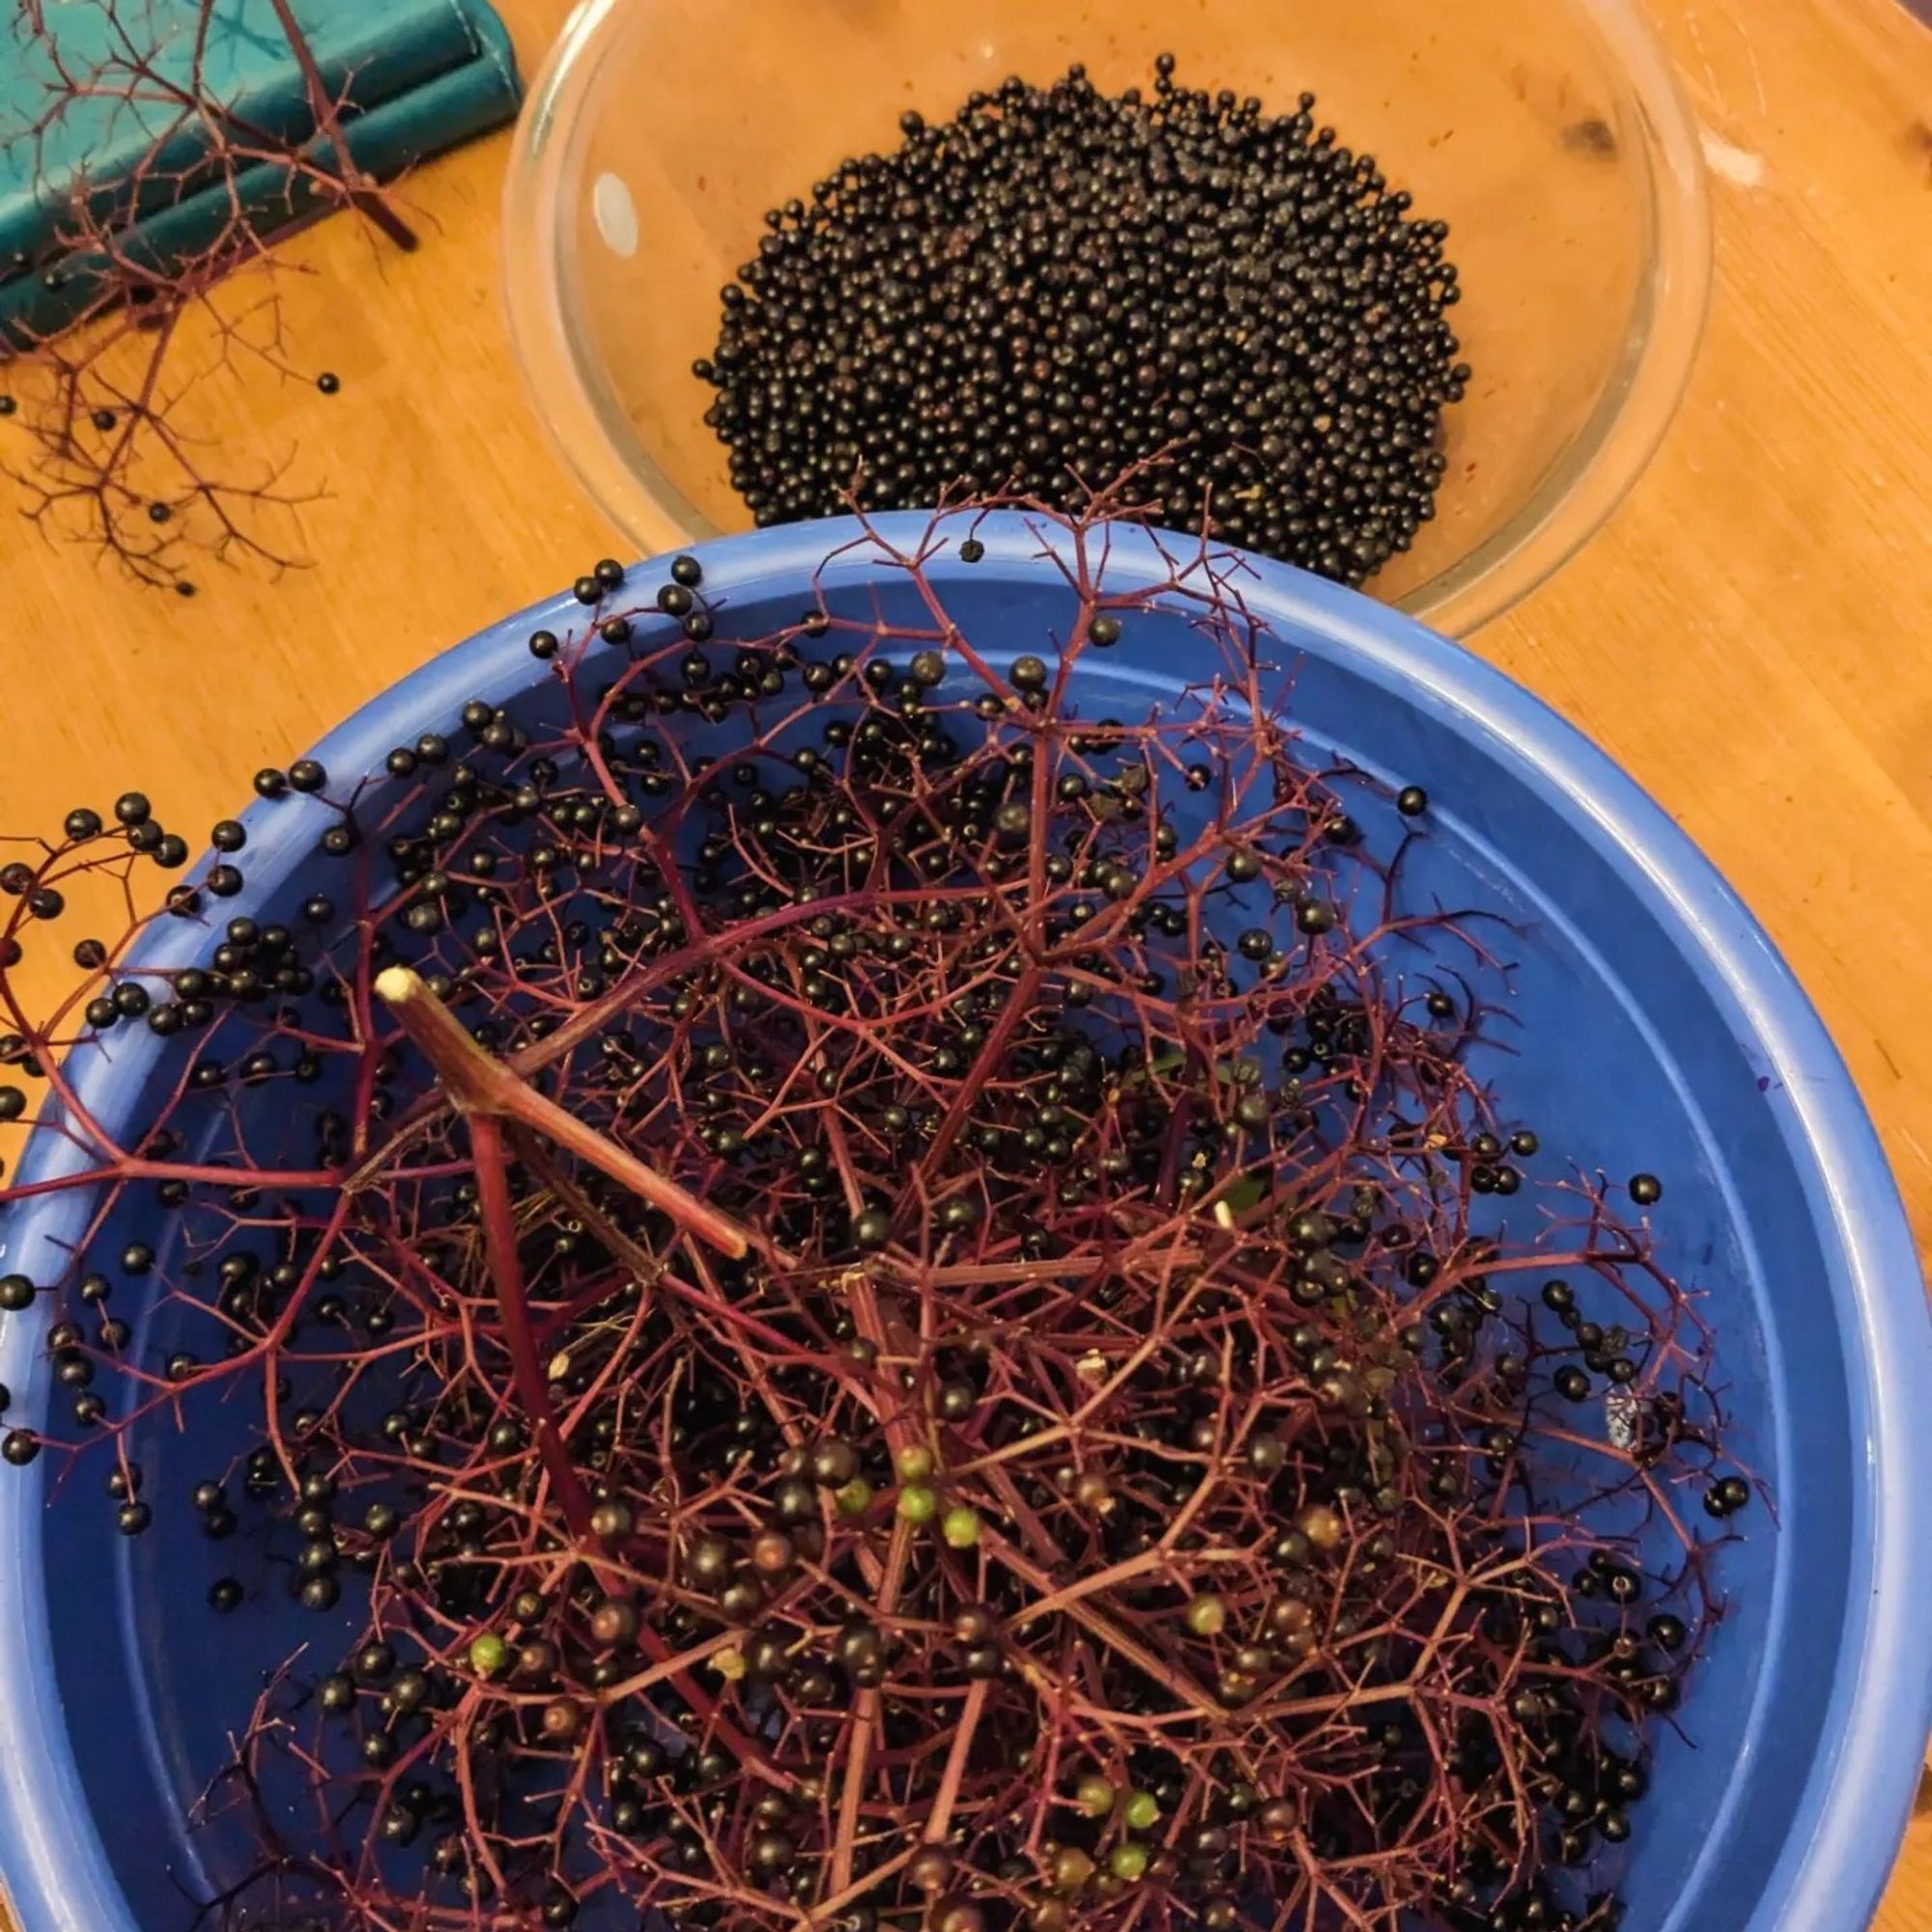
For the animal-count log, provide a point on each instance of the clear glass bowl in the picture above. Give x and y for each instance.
(1549, 133)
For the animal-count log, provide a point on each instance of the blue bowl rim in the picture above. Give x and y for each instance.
(1844, 1836)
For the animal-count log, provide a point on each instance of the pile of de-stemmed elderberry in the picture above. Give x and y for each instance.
(901, 1324)
(1057, 284)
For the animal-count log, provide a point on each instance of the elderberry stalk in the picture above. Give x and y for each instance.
(902, 1321)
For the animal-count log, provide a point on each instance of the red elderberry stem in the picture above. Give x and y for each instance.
(865, 1720)
(479, 1085)
(497, 1215)
(362, 193)
(940, 1820)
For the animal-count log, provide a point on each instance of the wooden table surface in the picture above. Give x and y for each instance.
(1751, 636)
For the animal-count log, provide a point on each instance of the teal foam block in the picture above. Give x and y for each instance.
(84, 140)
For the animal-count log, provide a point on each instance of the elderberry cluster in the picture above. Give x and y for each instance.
(1101, 1475)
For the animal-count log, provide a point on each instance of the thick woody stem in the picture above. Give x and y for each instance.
(364, 196)
(506, 1273)
(479, 1085)
(866, 1722)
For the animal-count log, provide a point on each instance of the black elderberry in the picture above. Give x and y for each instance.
(374, 1662)
(1668, 1633)
(1727, 1496)
(955, 1401)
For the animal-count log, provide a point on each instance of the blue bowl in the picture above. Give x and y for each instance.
(1656, 1028)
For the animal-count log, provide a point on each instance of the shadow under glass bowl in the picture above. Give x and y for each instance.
(1550, 134)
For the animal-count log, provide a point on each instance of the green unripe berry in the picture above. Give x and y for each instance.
(1094, 1797)
(487, 1653)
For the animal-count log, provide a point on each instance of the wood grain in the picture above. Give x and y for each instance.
(1749, 636)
